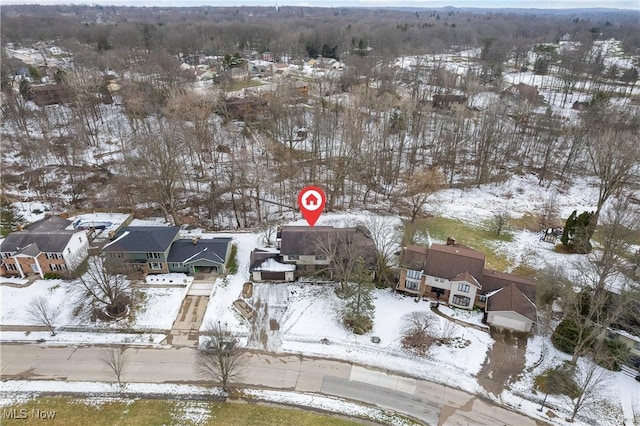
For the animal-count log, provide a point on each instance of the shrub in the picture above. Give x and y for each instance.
(51, 276)
(233, 260)
(565, 336)
(612, 354)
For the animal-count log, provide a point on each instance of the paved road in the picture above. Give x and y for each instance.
(431, 403)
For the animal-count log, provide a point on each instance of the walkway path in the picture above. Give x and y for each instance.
(429, 402)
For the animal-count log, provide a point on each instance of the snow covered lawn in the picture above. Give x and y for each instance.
(471, 317)
(159, 310)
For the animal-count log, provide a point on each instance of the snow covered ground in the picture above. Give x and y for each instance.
(158, 311)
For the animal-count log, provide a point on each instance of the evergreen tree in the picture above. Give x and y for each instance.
(578, 231)
(359, 310)
(9, 216)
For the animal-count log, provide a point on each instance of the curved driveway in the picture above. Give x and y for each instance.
(429, 402)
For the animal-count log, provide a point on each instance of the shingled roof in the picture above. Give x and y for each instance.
(494, 280)
(413, 257)
(48, 242)
(447, 261)
(140, 239)
(511, 299)
(185, 251)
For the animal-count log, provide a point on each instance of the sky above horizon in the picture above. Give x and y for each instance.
(520, 4)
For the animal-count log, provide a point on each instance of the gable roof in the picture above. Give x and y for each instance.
(511, 299)
(467, 277)
(140, 239)
(185, 251)
(494, 280)
(447, 261)
(305, 241)
(48, 242)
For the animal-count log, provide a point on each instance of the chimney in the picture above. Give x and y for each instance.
(194, 240)
(112, 234)
(19, 227)
(451, 241)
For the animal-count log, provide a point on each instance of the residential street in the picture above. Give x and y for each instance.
(432, 403)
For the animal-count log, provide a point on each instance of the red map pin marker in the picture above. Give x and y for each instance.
(311, 201)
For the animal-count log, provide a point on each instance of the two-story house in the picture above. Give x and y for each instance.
(314, 249)
(45, 247)
(158, 249)
(444, 272)
(456, 275)
(141, 249)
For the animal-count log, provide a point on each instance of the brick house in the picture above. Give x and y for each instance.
(455, 274)
(44, 247)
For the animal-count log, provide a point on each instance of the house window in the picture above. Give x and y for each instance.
(80, 238)
(10, 267)
(49, 255)
(294, 257)
(414, 275)
(412, 285)
(155, 266)
(69, 250)
(482, 298)
(321, 257)
(153, 255)
(461, 300)
(60, 256)
(463, 287)
(611, 335)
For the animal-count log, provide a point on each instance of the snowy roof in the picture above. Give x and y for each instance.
(272, 265)
(193, 250)
(138, 239)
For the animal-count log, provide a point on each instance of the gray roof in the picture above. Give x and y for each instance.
(48, 242)
(30, 250)
(49, 224)
(141, 239)
(185, 251)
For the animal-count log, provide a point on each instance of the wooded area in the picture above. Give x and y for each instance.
(376, 134)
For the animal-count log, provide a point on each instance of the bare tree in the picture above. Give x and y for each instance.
(418, 335)
(419, 187)
(221, 357)
(103, 286)
(600, 293)
(614, 160)
(43, 313)
(448, 331)
(115, 359)
(499, 221)
(385, 235)
(589, 381)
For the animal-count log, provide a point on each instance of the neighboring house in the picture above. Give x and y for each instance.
(267, 265)
(449, 101)
(629, 340)
(44, 247)
(448, 272)
(456, 275)
(524, 91)
(315, 248)
(199, 255)
(48, 94)
(141, 248)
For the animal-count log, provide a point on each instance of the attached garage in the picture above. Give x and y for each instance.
(272, 270)
(510, 321)
(510, 309)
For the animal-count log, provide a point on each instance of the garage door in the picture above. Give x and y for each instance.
(500, 321)
(272, 276)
